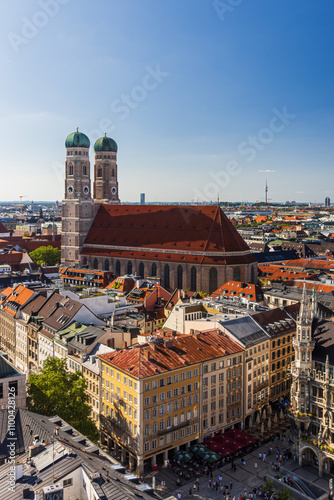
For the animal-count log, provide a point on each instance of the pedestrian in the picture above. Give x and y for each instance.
(210, 482)
(264, 457)
(179, 496)
(214, 485)
(260, 456)
(231, 485)
(190, 493)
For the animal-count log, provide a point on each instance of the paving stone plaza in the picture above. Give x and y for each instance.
(244, 479)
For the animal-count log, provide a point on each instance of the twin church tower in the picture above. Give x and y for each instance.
(79, 206)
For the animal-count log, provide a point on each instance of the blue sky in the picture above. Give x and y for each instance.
(202, 97)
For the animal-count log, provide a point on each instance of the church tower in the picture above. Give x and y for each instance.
(78, 205)
(302, 366)
(105, 171)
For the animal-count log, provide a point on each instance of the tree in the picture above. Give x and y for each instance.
(49, 256)
(56, 391)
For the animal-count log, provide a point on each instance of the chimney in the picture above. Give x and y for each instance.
(111, 343)
(112, 319)
(147, 354)
(192, 331)
(124, 344)
(18, 471)
(35, 449)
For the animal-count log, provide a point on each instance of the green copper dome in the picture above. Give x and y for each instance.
(77, 140)
(105, 144)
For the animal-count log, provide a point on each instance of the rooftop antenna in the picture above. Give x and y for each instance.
(266, 192)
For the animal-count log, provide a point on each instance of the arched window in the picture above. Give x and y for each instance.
(99, 172)
(179, 277)
(95, 264)
(84, 170)
(236, 274)
(112, 172)
(118, 268)
(141, 270)
(252, 275)
(129, 267)
(166, 276)
(212, 279)
(193, 279)
(106, 265)
(154, 269)
(70, 169)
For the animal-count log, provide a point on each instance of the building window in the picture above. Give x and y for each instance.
(118, 268)
(99, 172)
(212, 279)
(70, 169)
(193, 279)
(166, 276)
(84, 170)
(129, 271)
(236, 274)
(154, 269)
(1, 391)
(95, 264)
(67, 482)
(141, 270)
(179, 277)
(106, 265)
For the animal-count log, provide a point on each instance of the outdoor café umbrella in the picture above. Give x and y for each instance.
(258, 418)
(269, 423)
(182, 456)
(275, 418)
(281, 414)
(264, 415)
(269, 410)
(262, 428)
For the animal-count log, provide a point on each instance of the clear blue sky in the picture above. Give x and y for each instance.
(201, 96)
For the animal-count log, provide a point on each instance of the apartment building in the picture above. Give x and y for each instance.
(152, 395)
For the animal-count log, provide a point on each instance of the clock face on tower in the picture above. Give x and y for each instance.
(113, 190)
(70, 189)
(86, 189)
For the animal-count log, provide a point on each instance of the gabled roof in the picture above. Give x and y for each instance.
(3, 229)
(184, 229)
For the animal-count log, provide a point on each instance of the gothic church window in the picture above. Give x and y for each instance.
(154, 269)
(236, 274)
(112, 172)
(84, 170)
(70, 169)
(141, 270)
(99, 172)
(129, 267)
(212, 279)
(179, 277)
(118, 268)
(95, 264)
(193, 279)
(106, 265)
(166, 276)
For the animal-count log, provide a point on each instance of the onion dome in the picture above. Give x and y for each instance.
(77, 140)
(105, 144)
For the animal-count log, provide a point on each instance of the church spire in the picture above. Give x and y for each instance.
(305, 311)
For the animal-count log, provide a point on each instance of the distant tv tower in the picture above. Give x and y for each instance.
(266, 192)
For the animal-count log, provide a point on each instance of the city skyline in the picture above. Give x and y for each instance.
(243, 91)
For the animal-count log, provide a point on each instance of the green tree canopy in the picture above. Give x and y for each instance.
(56, 391)
(49, 256)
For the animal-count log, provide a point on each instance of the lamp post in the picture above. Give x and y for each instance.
(55, 433)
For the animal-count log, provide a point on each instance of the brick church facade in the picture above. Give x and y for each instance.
(194, 247)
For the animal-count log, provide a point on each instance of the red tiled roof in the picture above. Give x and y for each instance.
(151, 359)
(237, 289)
(163, 227)
(3, 229)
